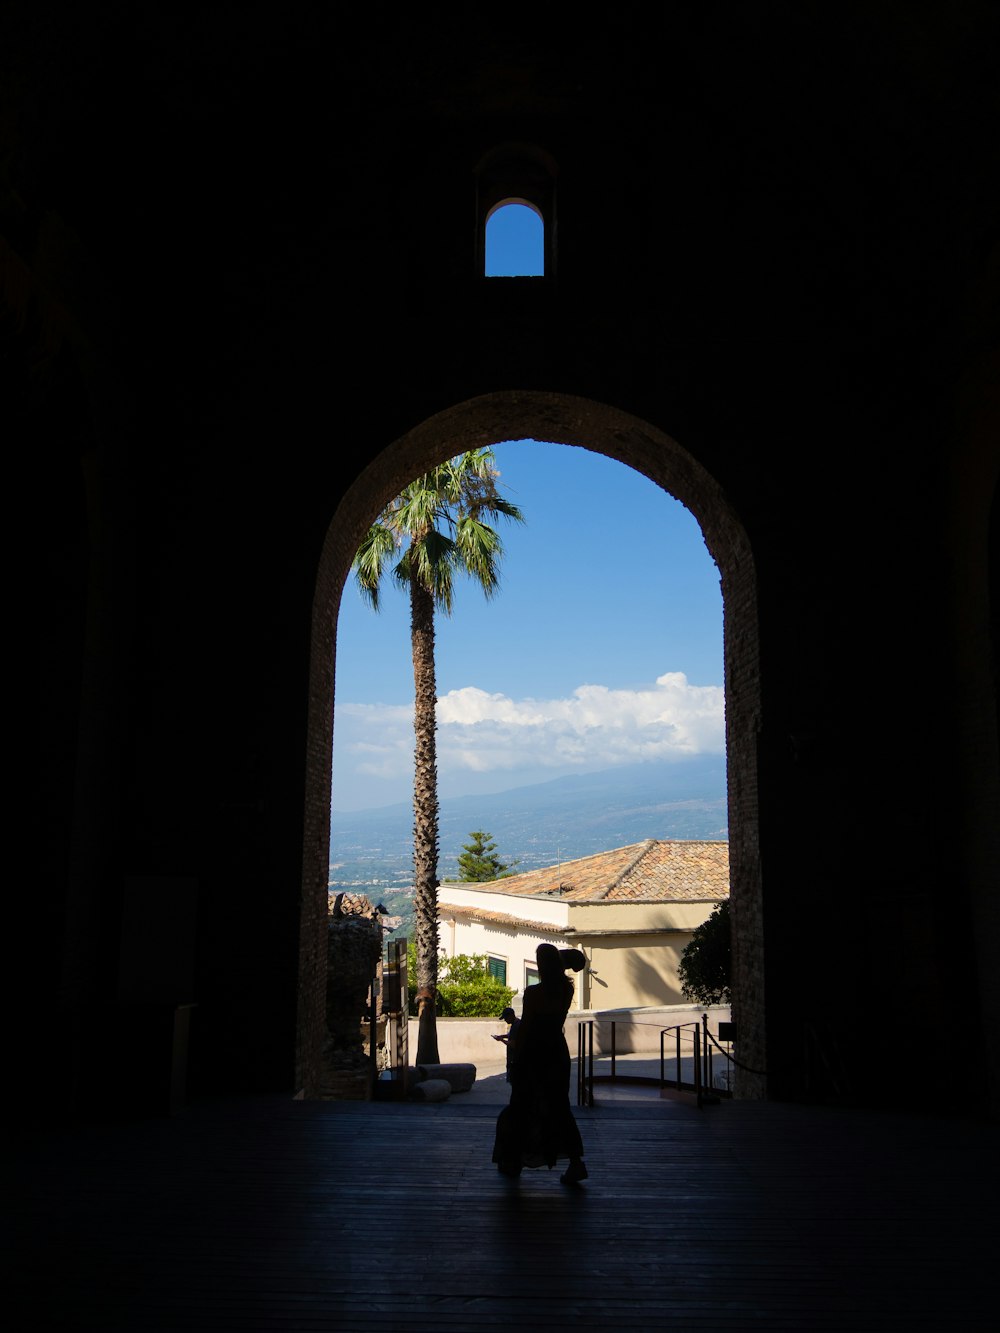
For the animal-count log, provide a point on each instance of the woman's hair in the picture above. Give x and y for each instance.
(553, 962)
(572, 959)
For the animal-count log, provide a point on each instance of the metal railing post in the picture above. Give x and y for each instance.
(613, 1050)
(585, 1063)
(697, 1064)
(579, 1064)
(677, 1030)
(706, 1073)
(590, 1066)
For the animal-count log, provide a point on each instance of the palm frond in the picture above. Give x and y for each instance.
(480, 550)
(440, 525)
(376, 550)
(436, 559)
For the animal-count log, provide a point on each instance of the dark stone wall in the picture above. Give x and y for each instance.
(239, 275)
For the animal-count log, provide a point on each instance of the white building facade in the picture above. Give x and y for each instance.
(632, 911)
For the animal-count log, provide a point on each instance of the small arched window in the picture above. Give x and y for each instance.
(515, 241)
(516, 213)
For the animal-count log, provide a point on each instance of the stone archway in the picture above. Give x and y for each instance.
(578, 422)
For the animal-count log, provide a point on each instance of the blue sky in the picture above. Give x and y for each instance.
(603, 647)
(515, 242)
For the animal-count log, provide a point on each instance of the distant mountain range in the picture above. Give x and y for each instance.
(548, 822)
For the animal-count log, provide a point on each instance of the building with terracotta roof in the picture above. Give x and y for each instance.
(631, 910)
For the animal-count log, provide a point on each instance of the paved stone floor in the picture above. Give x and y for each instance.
(264, 1215)
(491, 1085)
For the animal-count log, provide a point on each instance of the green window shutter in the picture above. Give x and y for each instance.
(498, 969)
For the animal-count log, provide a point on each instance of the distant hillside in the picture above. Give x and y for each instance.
(541, 825)
(551, 821)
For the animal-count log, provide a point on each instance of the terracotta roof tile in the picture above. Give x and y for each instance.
(482, 914)
(650, 871)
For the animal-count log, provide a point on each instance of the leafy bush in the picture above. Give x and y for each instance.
(474, 1000)
(704, 969)
(466, 987)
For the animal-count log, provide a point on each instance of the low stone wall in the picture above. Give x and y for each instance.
(465, 1041)
(470, 1040)
(638, 1030)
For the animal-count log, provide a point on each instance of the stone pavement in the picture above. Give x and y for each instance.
(269, 1215)
(492, 1089)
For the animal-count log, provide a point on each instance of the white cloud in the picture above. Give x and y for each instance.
(595, 728)
(373, 739)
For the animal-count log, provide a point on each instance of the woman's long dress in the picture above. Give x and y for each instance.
(537, 1127)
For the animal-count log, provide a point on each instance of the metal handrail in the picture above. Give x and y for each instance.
(678, 1082)
(702, 1083)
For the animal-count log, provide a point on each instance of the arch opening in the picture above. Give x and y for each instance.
(488, 421)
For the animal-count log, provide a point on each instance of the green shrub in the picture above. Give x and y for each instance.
(704, 969)
(466, 987)
(468, 999)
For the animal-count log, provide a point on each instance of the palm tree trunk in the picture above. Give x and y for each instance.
(425, 819)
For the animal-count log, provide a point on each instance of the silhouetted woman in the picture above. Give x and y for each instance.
(537, 1128)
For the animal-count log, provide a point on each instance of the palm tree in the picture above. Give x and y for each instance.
(435, 529)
